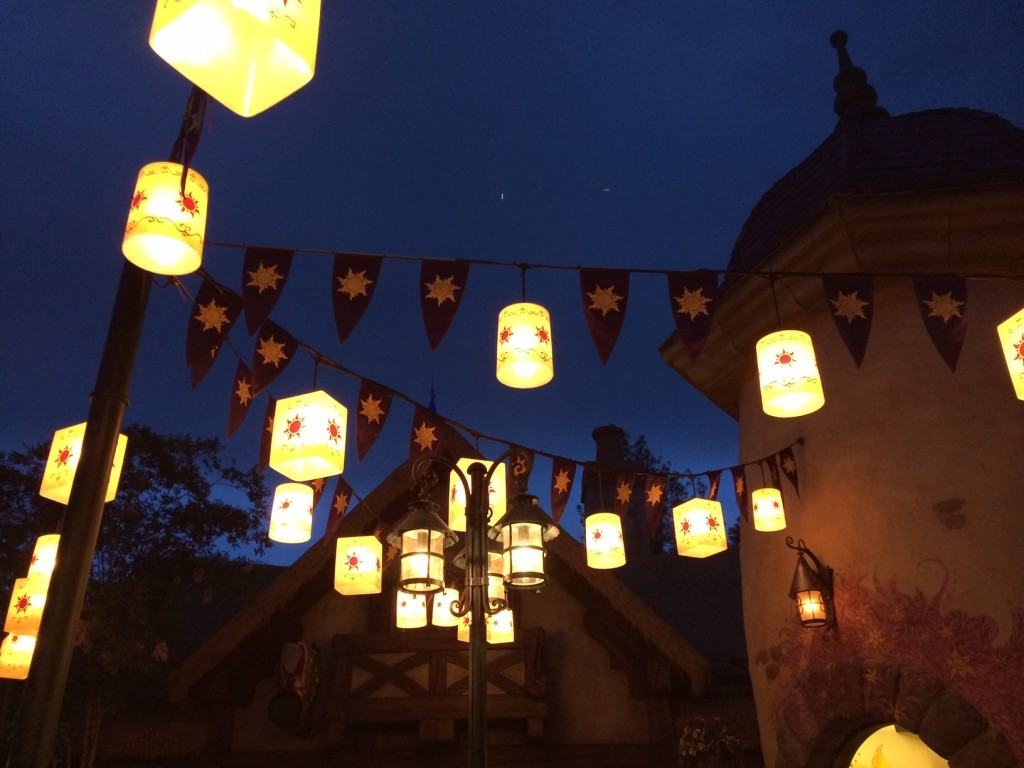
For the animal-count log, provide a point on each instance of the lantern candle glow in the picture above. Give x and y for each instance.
(525, 355)
(1011, 340)
(357, 565)
(16, 656)
(61, 464)
(769, 514)
(605, 546)
(788, 374)
(524, 530)
(700, 528)
(291, 517)
(44, 556)
(308, 437)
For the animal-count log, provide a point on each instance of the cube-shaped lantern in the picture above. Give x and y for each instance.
(788, 374)
(357, 565)
(247, 54)
(496, 494)
(291, 515)
(26, 607)
(166, 227)
(441, 611)
(700, 528)
(525, 354)
(769, 514)
(1011, 339)
(65, 450)
(308, 438)
(16, 656)
(44, 557)
(605, 546)
(410, 610)
(501, 627)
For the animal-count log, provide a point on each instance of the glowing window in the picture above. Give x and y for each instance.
(892, 747)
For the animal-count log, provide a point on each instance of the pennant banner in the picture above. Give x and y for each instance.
(374, 407)
(654, 503)
(340, 500)
(714, 480)
(851, 301)
(693, 296)
(264, 273)
(739, 486)
(442, 286)
(241, 397)
(623, 493)
(426, 433)
(563, 471)
(787, 462)
(520, 464)
(267, 433)
(354, 280)
(202, 366)
(773, 470)
(943, 306)
(275, 348)
(605, 293)
(318, 486)
(214, 311)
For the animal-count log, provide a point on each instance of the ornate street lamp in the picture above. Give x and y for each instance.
(524, 531)
(422, 537)
(812, 588)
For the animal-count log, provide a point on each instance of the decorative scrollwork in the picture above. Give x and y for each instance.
(495, 605)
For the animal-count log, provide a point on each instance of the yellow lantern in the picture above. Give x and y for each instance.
(700, 528)
(788, 373)
(525, 355)
(496, 494)
(523, 533)
(357, 569)
(605, 547)
(441, 611)
(465, 622)
(291, 516)
(410, 610)
(1011, 339)
(65, 450)
(26, 608)
(44, 556)
(769, 514)
(247, 54)
(16, 656)
(495, 574)
(308, 438)
(810, 607)
(166, 228)
(421, 537)
(501, 627)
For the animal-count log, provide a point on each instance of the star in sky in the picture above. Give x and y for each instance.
(943, 305)
(442, 289)
(243, 391)
(265, 278)
(849, 306)
(425, 436)
(370, 409)
(604, 300)
(354, 284)
(212, 316)
(692, 303)
(654, 493)
(561, 484)
(272, 351)
(622, 492)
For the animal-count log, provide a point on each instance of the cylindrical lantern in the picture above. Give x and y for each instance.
(525, 356)
(422, 538)
(291, 516)
(44, 556)
(501, 627)
(16, 656)
(769, 514)
(605, 547)
(357, 569)
(65, 450)
(495, 574)
(410, 610)
(166, 228)
(788, 373)
(462, 634)
(700, 528)
(496, 494)
(808, 590)
(26, 608)
(523, 533)
(247, 54)
(810, 606)
(308, 437)
(1011, 339)
(441, 611)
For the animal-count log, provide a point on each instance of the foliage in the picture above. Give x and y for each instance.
(705, 736)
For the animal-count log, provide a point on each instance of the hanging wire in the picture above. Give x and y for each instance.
(775, 300)
(522, 279)
(191, 131)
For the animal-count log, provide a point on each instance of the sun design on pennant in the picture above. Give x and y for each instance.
(849, 306)
(354, 284)
(265, 278)
(622, 493)
(212, 316)
(561, 484)
(543, 336)
(505, 335)
(692, 303)
(340, 504)
(243, 392)
(604, 300)
(654, 494)
(294, 426)
(188, 204)
(740, 485)
(333, 431)
(63, 457)
(370, 409)
(788, 465)
(944, 306)
(272, 351)
(785, 358)
(442, 289)
(138, 199)
(425, 436)
(23, 603)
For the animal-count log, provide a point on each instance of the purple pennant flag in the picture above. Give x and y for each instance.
(264, 273)
(693, 297)
(851, 302)
(213, 313)
(943, 306)
(275, 348)
(520, 465)
(605, 293)
(623, 493)
(202, 366)
(654, 503)
(739, 486)
(266, 433)
(374, 407)
(352, 286)
(340, 501)
(442, 286)
(563, 471)
(427, 433)
(787, 463)
(714, 481)
(241, 398)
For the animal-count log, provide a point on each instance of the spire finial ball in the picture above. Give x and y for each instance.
(838, 39)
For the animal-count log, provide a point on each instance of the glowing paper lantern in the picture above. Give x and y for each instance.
(700, 528)
(769, 514)
(1011, 339)
(44, 556)
(410, 610)
(441, 612)
(65, 450)
(166, 228)
(247, 54)
(308, 437)
(26, 608)
(501, 628)
(496, 494)
(16, 656)
(495, 574)
(605, 547)
(788, 373)
(462, 634)
(291, 516)
(525, 356)
(357, 569)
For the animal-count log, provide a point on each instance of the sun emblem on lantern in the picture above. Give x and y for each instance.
(294, 426)
(333, 431)
(784, 358)
(543, 336)
(505, 335)
(685, 527)
(138, 199)
(353, 562)
(63, 457)
(597, 535)
(1019, 349)
(23, 603)
(286, 504)
(188, 204)
(712, 523)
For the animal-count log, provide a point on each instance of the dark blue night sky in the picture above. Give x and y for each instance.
(597, 133)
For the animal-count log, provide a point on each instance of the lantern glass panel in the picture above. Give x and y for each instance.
(811, 608)
(699, 528)
(357, 565)
(525, 353)
(308, 437)
(410, 610)
(26, 607)
(1011, 340)
(495, 576)
(291, 517)
(61, 464)
(497, 494)
(44, 556)
(523, 550)
(16, 656)
(769, 514)
(788, 374)
(605, 546)
(422, 566)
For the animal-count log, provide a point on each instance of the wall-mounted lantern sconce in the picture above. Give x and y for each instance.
(812, 588)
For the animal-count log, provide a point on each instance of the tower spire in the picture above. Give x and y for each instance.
(855, 98)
